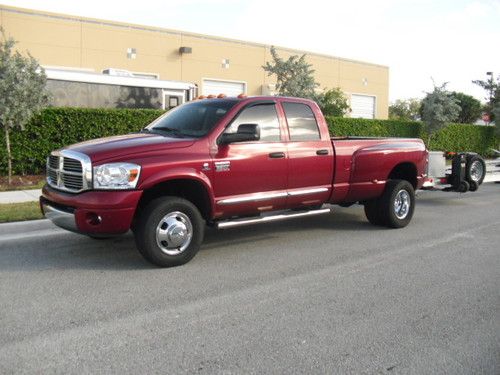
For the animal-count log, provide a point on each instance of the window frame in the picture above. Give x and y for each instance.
(283, 103)
(254, 104)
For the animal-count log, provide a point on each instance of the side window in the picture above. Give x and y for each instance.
(265, 116)
(301, 122)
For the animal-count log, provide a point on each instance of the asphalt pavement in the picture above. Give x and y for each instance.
(326, 295)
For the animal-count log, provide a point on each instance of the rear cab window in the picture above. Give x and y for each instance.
(302, 124)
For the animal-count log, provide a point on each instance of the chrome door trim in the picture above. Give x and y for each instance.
(253, 198)
(307, 191)
(265, 196)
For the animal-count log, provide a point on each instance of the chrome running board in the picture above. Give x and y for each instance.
(266, 219)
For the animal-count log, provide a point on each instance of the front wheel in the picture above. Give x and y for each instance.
(397, 204)
(169, 231)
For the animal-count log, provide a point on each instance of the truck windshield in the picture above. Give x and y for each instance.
(193, 119)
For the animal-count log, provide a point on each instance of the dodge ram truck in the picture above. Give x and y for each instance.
(226, 162)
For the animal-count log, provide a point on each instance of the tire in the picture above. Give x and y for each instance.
(169, 231)
(473, 186)
(475, 169)
(372, 212)
(463, 187)
(397, 203)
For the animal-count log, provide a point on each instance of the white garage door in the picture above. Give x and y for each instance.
(363, 106)
(214, 87)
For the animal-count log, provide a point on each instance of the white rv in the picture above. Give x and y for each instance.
(115, 88)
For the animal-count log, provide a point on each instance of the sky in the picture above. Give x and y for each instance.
(422, 41)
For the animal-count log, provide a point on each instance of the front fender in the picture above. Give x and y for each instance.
(180, 173)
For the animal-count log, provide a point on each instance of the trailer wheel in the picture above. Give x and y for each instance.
(372, 212)
(463, 187)
(169, 231)
(475, 169)
(473, 186)
(397, 204)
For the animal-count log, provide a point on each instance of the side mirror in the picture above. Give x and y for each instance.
(245, 133)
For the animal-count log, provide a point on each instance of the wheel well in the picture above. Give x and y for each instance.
(404, 171)
(190, 190)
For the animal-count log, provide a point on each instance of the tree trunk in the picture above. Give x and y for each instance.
(9, 154)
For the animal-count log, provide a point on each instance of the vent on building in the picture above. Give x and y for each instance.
(131, 53)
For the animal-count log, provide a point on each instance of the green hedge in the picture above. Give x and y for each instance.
(453, 137)
(57, 127)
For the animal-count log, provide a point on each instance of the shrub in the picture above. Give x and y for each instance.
(453, 137)
(54, 128)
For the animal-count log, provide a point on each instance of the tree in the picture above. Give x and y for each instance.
(405, 109)
(333, 102)
(22, 91)
(470, 108)
(438, 108)
(294, 77)
(492, 87)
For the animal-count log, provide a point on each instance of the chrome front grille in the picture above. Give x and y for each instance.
(72, 165)
(69, 171)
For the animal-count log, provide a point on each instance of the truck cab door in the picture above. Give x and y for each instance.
(310, 157)
(251, 177)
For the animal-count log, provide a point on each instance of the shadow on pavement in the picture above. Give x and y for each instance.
(64, 250)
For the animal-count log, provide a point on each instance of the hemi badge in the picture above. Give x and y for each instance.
(222, 166)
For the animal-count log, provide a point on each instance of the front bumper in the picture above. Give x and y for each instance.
(91, 212)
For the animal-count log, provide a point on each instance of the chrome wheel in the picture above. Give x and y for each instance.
(476, 170)
(402, 204)
(174, 233)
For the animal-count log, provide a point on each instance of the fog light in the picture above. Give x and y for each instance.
(93, 218)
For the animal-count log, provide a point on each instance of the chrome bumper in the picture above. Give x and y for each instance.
(63, 219)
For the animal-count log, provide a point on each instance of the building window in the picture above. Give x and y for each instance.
(131, 53)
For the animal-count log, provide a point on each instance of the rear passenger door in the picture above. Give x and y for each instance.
(310, 163)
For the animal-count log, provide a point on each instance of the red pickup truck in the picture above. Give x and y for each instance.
(226, 162)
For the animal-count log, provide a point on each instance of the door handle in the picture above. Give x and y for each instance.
(277, 155)
(322, 152)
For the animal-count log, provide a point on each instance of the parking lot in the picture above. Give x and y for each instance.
(326, 294)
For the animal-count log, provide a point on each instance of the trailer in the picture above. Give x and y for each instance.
(115, 88)
(466, 172)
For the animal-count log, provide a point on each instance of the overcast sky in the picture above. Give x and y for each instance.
(452, 41)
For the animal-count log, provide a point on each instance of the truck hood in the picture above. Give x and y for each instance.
(118, 147)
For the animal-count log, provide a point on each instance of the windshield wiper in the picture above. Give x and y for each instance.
(172, 131)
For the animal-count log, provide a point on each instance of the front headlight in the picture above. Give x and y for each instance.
(116, 176)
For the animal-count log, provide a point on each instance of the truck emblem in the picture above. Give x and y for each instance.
(222, 166)
(205, 167)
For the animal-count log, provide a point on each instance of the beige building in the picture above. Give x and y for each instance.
(213, 64)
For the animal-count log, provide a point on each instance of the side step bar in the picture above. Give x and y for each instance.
(266, 219)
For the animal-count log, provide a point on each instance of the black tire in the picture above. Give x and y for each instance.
(394, 190)
(473, 186)
(175, 220)
(372, 212)
(475, 169)
(463, 187)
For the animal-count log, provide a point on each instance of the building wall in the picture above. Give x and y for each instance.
(70, 41)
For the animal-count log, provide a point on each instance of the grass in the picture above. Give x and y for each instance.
(20, 211)
(22, 182)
